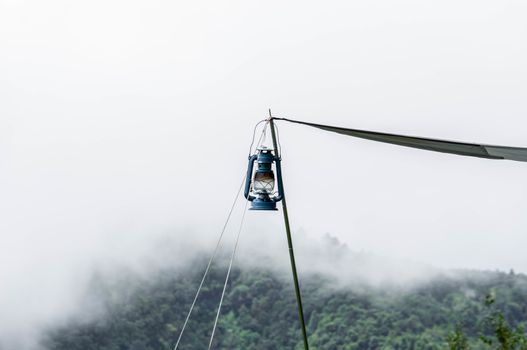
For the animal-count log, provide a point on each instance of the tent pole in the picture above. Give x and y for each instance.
(291, 253)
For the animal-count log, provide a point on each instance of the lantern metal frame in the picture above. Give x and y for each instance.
(265, 159)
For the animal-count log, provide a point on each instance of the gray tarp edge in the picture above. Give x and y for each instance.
(444, 146)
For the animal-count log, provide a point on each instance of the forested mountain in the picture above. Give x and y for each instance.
(260, 312)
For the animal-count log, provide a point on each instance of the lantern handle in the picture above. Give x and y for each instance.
(280, 195)
(250, 168)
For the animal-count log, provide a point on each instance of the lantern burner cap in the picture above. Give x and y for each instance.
(264, 149)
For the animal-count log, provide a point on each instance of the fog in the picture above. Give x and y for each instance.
(125, 124)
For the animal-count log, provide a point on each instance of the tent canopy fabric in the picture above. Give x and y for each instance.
(444, 146)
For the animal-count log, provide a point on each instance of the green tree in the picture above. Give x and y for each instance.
(457, 340)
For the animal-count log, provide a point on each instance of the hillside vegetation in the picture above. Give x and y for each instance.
(260, 312)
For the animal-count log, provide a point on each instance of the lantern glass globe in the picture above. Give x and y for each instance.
(263, 182)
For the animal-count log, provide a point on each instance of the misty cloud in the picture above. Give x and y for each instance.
(124, 123)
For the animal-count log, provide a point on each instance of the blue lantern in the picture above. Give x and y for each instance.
(259, 189)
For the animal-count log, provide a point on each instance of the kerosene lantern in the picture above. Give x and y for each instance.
(259, 189)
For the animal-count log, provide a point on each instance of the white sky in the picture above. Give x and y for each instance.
(123, 119)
